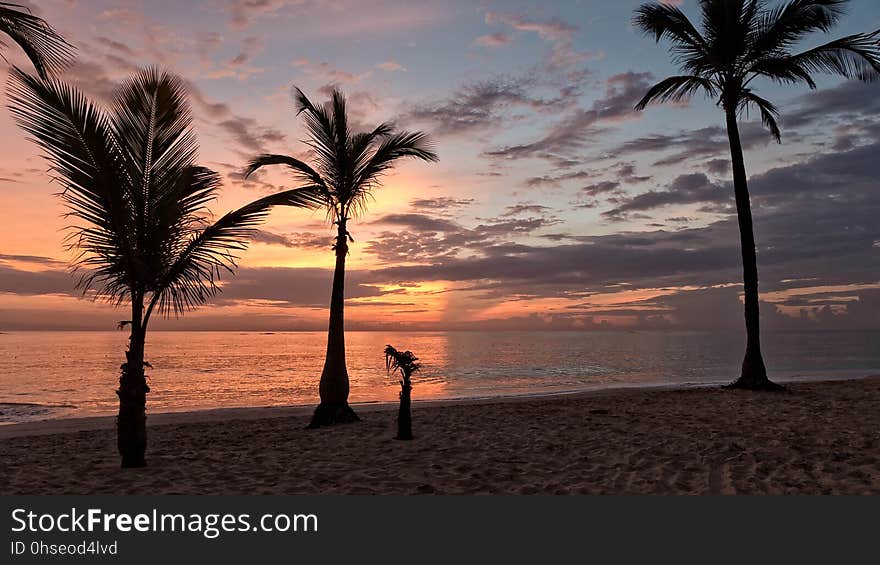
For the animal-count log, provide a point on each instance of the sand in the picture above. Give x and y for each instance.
(816, 438)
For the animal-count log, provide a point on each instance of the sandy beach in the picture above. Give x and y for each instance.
(816, 438)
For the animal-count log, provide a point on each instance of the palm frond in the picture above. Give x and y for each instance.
(152, 124)
(346, 166)
(192, 278)
(769, 113)
(676, 89)
(301, 170)
(78, 141)
(404, 362)
(853, 57)
(688, 46)
(393, 147)
(321, 138)
(667, 21)
(48, 51)
(781, 70)
(779, 28)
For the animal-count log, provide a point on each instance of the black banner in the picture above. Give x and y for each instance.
(143, 529)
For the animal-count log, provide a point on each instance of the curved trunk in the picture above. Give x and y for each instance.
(754, 374)
(334, 385)
(131, 424)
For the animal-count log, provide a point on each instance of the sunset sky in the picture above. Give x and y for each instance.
(553, 206)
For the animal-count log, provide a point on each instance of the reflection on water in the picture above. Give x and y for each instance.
(61, 374)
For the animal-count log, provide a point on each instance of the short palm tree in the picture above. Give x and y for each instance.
(741, 41)
(47, 50)
(346, 168)
(406, 363)
(138, 201)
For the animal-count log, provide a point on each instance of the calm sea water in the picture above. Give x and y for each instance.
(45, 375)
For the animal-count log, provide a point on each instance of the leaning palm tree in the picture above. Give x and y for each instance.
(47, 50)
(346, 168)
(741, 41)
(138, 202)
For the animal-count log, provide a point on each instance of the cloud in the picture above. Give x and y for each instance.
(498, 39)
(419, 237)
(565, 138)
(440, 204)
(685, 189)
(488, 104)
(250, 136)
(239, 66)
(391, 66)
(304, 240)
(31, 259)
(519, 209)
(243, 13)
(418, 222)
(328, 73)
(703, 143)
(558, 33)
(850, 100)
(600, 188)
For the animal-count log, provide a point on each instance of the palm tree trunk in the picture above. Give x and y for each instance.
(131, 424)
(404, 411)
(334, 384)
(754, 373)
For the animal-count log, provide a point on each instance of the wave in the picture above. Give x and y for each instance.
(14, 412)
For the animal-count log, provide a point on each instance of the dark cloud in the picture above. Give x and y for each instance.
(563, 142)
(441, 204)
(423, 238)
(718, 166)
(419, 222)
(685, 189)
(33, 259)
(300, 287)
(814, 220)
(600, 188)
(30, 283)
(848, 101)
(306, 240)
(519, 209)
(488, 104)
(685, 146)
(558, 179)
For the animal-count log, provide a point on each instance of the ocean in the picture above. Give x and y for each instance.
(49, 375)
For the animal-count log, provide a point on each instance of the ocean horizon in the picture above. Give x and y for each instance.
(48, 375)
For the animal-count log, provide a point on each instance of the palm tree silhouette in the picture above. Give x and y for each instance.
(740, 41)
(346, 168)
(405, 363)
(138, 201)
(47, 50)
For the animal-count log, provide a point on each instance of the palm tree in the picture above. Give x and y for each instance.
(405, 363)
(346, 168)
(47, 50)
(740, 41)
(138, 202)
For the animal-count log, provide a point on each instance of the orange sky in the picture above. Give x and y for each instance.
(553, 206)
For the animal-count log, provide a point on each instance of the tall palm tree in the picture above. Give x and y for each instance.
(47, 50)
(346, 168)
(741, 41)
(138, 201)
